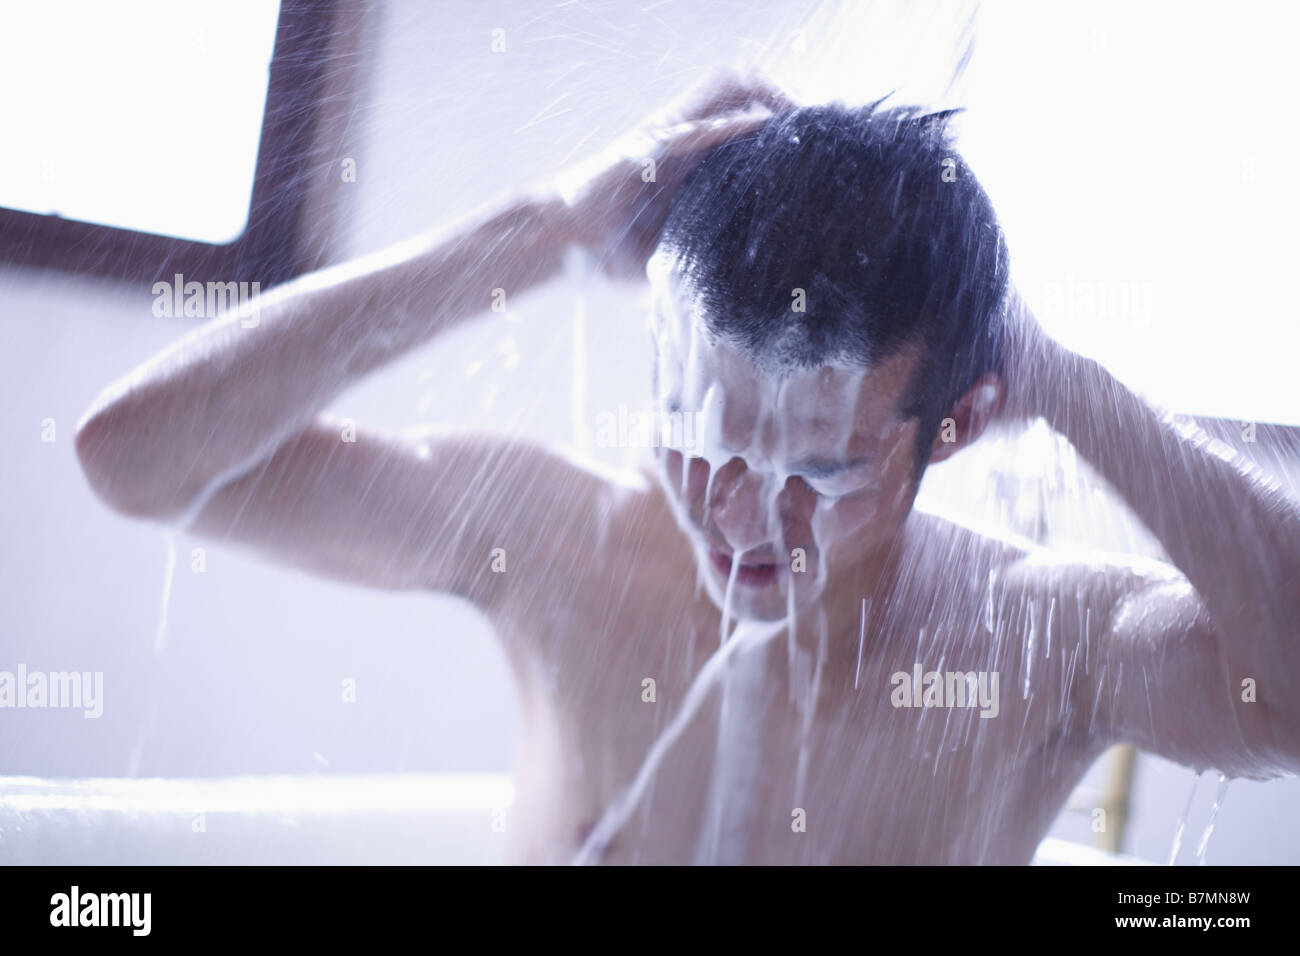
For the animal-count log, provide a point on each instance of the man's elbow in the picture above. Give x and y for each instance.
(1266, 742)
(122, 475)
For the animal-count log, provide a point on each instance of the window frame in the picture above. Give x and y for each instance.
(276, 243)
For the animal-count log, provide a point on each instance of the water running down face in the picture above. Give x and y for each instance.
(808, 414)
(789, 476)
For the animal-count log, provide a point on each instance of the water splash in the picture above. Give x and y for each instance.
(136, 755)
(809, 689)
(1182, 822)
(1219, 795)
(169, 577)
(738, 760)
(1202, 845)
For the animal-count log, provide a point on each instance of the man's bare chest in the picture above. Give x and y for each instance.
(773, 749)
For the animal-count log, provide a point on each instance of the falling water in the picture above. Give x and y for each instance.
(730, 806)
(1182, 822)
(1219, 794)
(746, 637)
(1221, 791)
(809, 684)
(169, 576)
(136, 754)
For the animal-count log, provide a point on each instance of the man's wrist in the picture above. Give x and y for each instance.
(1072, 399)
(555, 216)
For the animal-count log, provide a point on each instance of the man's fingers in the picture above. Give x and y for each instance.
(764, 94)
(729, 92)
(705, 135)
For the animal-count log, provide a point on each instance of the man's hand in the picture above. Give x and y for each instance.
(1232, 532)
(618, 201)
(1036, 369)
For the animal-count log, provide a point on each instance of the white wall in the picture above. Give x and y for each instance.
(249, 676)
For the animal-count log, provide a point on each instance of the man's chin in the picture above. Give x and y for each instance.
(759, 614)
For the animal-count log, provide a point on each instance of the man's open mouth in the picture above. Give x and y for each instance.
(749, 573)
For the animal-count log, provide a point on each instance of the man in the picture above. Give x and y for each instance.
(832, 302)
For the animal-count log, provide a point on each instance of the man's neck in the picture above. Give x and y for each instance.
(858, 587)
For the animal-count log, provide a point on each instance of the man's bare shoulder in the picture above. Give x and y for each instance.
(577, 525)
(1021, 570)
(1069, 621)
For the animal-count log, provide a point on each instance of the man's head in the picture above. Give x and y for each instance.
(829, 289)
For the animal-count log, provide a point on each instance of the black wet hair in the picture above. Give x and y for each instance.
(874, 215)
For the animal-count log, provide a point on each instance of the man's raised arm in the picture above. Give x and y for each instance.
(1233, 532)
(227, 395)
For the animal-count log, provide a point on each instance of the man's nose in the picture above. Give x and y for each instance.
(743, 505)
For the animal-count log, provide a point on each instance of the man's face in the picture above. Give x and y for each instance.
(788, 479)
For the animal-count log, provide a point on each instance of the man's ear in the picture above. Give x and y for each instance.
(967, 419)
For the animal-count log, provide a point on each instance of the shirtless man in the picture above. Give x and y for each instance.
(795, 741)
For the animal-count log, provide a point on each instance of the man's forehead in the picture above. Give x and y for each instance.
(695, 359)
(849, 408)
(828, 415)
(683, 331)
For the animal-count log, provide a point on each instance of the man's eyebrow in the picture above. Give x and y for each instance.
(826, 467)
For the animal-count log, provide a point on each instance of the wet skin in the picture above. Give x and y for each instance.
(610, 583)
(879, 783)
(603, 590)
(883, 784)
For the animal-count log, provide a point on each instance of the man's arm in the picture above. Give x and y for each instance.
(1177, 651)
(221, 429)
(221, 432)
(225, 397)
(437, 512)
